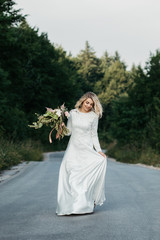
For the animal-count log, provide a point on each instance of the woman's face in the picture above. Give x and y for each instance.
(87, 105)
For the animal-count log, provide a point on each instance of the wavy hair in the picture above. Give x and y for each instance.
(97, 107)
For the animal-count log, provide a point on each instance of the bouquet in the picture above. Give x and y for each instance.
(55, 119)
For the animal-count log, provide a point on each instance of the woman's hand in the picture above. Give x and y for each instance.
(104, 155)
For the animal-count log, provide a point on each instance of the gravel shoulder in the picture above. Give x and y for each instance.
(8, 174)
(138, 164)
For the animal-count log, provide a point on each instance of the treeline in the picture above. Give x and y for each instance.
(133, 121)
(35, 74)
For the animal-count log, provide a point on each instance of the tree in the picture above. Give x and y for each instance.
(105, 62)
(115, 82)
(112, 86)
(34, 75)
(8, 19)
(135, 118)
(88, 66)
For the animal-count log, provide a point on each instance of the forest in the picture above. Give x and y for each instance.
(35, 74)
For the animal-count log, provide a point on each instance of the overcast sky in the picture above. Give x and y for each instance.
(132, 27)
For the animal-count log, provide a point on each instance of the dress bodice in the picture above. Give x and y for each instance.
(83, 128)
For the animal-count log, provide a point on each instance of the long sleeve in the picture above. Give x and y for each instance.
(94, 135)
(69, 124)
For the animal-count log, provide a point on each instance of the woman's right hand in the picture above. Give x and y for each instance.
(104, 155)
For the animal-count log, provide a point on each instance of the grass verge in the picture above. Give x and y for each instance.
(13, 153)
(131, 153)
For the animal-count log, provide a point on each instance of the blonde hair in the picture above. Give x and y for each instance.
(97, 107)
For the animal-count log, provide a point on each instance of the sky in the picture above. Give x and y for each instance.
(130, 27)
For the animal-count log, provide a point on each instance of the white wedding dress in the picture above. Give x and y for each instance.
(82, 171)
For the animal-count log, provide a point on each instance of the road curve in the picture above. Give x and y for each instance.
(131, 210)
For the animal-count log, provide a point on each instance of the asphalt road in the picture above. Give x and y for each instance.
(131, 210)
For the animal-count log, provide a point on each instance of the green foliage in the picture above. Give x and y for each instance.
(133, 153)
(13, 153)
(88, 66)
(126, 121)
(136, 117)
(115, 82)
(128, 153)
(146, 94)
(34, 74)
(30, 150)
(8, 15)
(55, 119)
(153, 126)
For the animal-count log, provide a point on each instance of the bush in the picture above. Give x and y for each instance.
(150, 157)
(132, 153)
(30, 150)
(13, 153)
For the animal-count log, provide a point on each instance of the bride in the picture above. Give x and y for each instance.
(81, 183)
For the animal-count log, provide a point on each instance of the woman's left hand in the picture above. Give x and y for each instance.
(104, 155)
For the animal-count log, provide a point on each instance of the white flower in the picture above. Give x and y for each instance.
(58, 112)
(67, 114)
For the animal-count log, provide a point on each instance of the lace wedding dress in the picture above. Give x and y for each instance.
(82, 172)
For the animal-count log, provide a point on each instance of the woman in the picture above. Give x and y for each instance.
(83, 169)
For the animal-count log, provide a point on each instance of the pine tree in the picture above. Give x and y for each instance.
(88, 67)
(115, 82)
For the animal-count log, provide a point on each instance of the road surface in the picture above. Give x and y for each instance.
(131, 210)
